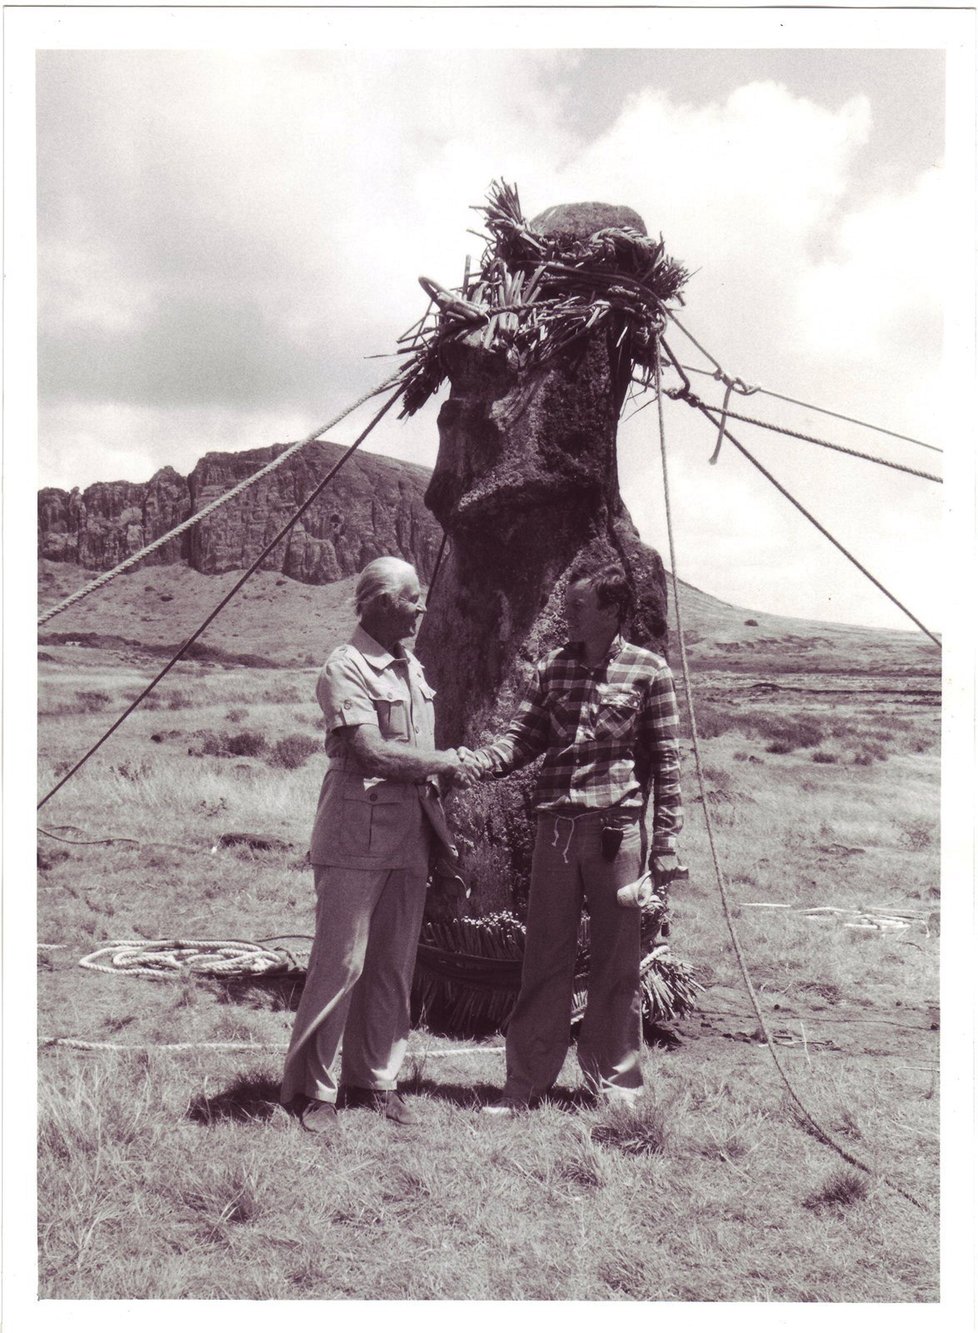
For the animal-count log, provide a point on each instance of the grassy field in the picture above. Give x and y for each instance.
(167, 1171)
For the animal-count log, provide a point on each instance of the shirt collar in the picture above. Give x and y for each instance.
(368, 647)
(614, 648)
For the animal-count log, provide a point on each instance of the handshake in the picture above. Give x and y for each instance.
(461, 767)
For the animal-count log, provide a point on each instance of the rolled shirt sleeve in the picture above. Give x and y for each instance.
(657, 760)
(343, 695)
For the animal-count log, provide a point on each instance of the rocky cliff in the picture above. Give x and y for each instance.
(374, 507)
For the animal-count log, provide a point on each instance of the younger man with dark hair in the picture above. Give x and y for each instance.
(603, 714)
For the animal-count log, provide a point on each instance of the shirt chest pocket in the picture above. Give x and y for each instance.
(392, 719)
(565, 715)
(616, 713)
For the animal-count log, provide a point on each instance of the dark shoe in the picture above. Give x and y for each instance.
(318, 1117)
(388, 1101)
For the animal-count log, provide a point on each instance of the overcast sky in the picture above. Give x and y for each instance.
(226, 235)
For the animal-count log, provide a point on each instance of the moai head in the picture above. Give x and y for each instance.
(514, 441)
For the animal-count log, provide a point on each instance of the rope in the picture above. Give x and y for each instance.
(717, 373)
(317, 489)
(822, 529)
(796, 435)
(92, 842)
(171, 959)
(78, 1044)
(208, 509)
(438, 560)
(752, 995)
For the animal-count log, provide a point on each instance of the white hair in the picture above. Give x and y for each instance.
(384, 576)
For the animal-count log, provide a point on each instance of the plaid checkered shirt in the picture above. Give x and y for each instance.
(607, 733)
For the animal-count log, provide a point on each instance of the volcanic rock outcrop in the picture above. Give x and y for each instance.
(375, 506)
(526, 480)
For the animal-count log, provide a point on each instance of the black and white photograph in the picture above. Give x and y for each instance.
(502, 631)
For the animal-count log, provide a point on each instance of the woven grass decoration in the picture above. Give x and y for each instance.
(537, 297)
(467, 975)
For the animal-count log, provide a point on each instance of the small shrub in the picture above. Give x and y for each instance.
(292, 751)
(91, 701)
(179, 699)
(222, 746)
(799, 733)
(824, 757)
(917, 833)
(710, 722)
(751, 622)
(867, 753)
(779, 747)
(236, 715)
(247, 743)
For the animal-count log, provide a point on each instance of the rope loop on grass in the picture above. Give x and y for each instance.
(170, 960)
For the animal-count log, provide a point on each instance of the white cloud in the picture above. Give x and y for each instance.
(883, 287)
(226, 237)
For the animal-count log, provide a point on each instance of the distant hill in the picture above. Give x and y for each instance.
(300, 603)
(289, 623)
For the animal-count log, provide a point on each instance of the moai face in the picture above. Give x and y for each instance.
(513, 441)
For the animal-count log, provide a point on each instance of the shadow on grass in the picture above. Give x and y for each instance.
(249, 1097)
(473, 1096)
(269, 992)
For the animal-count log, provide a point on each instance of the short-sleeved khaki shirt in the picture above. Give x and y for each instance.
(364, 821)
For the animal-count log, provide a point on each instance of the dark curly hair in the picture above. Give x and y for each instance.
(609, 581)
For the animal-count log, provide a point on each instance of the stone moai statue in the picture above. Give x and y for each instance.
(526, 481)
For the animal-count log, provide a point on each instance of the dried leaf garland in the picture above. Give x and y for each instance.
(535, 297)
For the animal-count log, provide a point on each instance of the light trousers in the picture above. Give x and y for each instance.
(569, 870)
(357, 995)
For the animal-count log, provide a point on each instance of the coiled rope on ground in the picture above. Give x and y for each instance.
(173, 958)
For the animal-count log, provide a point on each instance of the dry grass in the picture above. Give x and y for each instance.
(172, 1173)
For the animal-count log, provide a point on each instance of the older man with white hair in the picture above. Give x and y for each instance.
(379, 817)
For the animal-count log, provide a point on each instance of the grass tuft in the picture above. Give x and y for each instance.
(841, 1189)
(582, 1166)
(641, 1130)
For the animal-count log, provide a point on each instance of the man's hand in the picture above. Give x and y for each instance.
(665, 868)
(473, 766)
(456, 771)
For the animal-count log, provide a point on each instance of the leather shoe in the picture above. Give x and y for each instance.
(318, 1117)
(388, 1101)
